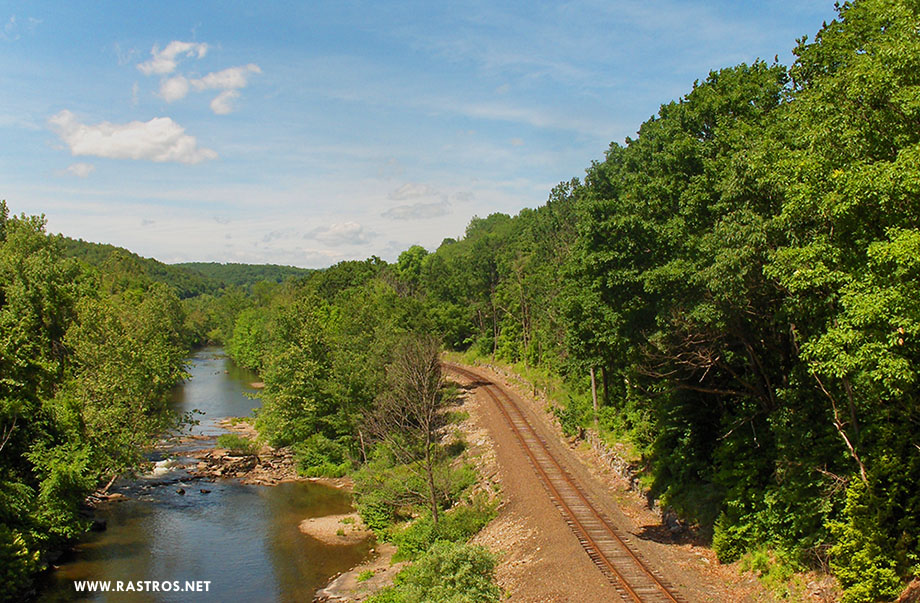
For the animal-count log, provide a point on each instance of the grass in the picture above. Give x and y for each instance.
(236, 444)
(776, 570)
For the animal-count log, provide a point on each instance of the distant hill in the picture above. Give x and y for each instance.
(245, 275)
(188, 279)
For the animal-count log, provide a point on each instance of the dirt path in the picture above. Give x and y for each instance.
(542, 559)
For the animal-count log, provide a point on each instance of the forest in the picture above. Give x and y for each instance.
(740, 283)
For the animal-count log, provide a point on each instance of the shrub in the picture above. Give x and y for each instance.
(569, 417)
(730, 539)
(236, 444)
(859, 558)
(318, 456)
(383, 493)
(457, 525)
(17, 562)
(449, 573)
(386, 494)
(774, 568)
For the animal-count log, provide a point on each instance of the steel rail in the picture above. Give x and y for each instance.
(603, 543)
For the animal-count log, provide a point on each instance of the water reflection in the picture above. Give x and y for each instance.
(244, 539)
(218, 388)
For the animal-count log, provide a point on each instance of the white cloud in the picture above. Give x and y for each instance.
(174, 88)
(228, 79)
(417, 211)
(80, 170)
(411, 190)
(160, 139)
(222, 103)
(165, 61)
(345, 233)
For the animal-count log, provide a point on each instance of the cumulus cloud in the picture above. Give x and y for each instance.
(417, 211)
(228, 79)
(222, 103)
(411, 190)
(464, 196)
(160, 139)
(80, 170)
(165, 61)
(174, 88)
(344, 233)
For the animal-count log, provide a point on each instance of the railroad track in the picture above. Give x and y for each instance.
(608, 546)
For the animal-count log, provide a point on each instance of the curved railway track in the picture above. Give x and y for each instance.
(607, 546)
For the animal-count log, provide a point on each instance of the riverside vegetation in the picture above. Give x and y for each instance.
(739, 286)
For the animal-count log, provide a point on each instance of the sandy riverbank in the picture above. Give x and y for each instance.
(336, 529)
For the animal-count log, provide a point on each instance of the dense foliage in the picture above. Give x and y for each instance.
(742, 278)
(740, 283)
(245, 275)
(87, 358)
(186, 282)
(448, 573)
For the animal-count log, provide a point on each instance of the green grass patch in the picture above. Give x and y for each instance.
(236, 444)
(776, 570)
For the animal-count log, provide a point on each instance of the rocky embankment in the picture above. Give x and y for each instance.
(268, 467)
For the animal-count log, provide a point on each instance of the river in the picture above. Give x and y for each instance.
(243, 539)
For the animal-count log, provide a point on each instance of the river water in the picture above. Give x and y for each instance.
(243, 539)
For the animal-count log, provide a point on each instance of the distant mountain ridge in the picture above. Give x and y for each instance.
(244, 275)
(189, 278)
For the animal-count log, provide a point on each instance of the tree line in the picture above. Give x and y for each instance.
(738, 284)
(87, 358)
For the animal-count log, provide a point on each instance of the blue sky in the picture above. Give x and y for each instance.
(308, 133)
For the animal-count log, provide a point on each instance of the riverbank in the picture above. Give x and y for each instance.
(266, 466)
(176, 519)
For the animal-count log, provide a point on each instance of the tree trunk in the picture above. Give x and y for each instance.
(605, 381)
(494, 323)
(594, 397)
(432, 493)
(363, 451)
